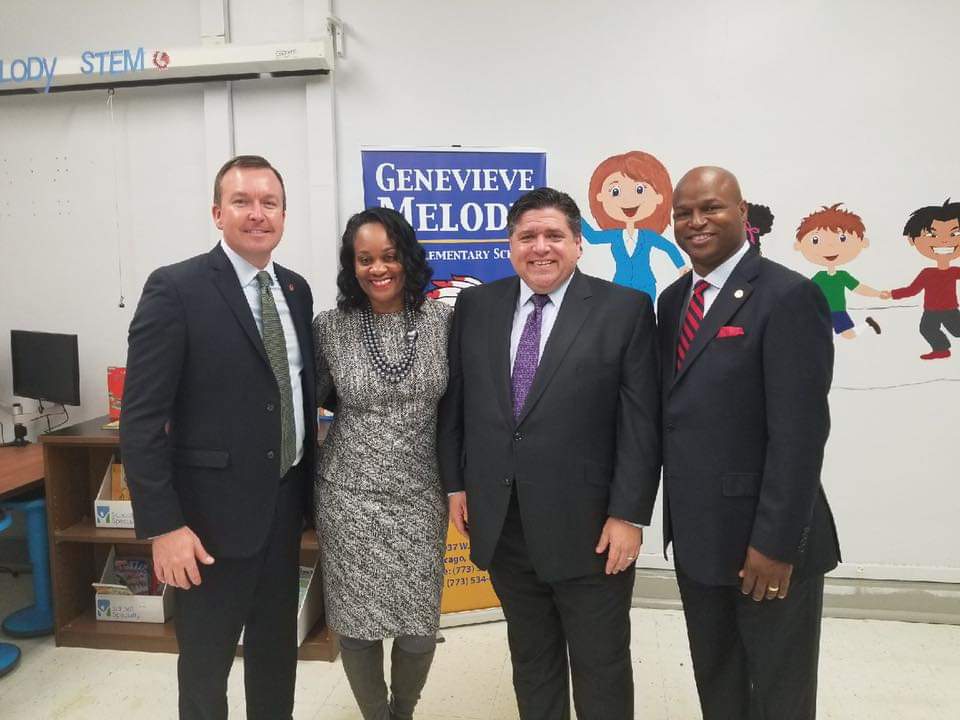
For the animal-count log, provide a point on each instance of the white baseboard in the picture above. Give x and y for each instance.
(471, 617)
(903, 600)
(908, 601)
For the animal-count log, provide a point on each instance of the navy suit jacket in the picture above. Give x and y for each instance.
(745, 421)
(200, 421)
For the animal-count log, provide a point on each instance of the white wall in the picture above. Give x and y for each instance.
(91, 205)
(810, 103)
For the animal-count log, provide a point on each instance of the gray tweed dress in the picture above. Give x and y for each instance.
(381, 512)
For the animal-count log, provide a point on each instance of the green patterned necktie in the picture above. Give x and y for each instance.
(276, 347)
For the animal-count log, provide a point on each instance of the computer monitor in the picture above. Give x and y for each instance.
(46, 366)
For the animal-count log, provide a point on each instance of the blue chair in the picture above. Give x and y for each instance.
(9, 654)
(37, 619)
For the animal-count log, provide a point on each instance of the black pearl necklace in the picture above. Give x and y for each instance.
(391, 372)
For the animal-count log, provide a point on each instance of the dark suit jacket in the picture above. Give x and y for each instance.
(587, 444)
(745, 423)
(196, 359)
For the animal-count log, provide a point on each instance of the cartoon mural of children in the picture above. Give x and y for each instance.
(759, 223)
(832, 237)
(935, 232)
(631, 198)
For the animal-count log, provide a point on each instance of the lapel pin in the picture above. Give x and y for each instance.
(738, 293)
(290, 288)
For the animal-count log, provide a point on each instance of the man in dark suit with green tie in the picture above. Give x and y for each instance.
(217, 435)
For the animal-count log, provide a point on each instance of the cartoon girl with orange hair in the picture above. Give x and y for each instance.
(631, 197)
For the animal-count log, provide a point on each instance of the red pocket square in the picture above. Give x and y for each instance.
(730, 331)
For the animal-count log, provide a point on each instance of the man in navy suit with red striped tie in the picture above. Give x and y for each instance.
(746, 350)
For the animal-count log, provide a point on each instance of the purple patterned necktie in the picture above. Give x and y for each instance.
(528, 355)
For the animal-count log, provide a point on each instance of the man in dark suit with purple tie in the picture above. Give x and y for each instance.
(550, 450)
(746, 350)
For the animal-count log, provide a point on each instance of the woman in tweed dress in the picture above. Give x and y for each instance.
(381, 513)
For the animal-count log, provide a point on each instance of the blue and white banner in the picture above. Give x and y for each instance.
(457, 201)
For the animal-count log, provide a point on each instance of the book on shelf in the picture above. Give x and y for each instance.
(115, 380)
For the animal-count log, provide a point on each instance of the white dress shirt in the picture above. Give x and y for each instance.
(247, 274)
(548, 316)
(717, 278)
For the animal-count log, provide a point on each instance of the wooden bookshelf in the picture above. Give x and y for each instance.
(88, 632)
(75, 460)
(87, 531)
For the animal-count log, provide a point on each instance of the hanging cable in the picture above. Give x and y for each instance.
(116, 194)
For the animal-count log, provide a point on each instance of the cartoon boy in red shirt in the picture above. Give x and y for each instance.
(935, 232)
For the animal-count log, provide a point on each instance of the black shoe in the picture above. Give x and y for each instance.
(873, 324)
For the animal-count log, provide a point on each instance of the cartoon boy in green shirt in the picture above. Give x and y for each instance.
(832, 237)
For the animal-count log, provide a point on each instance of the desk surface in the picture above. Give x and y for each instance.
(86, 433)
(21, 468)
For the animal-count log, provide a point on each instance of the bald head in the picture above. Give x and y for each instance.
(709, 217)
(716, 177)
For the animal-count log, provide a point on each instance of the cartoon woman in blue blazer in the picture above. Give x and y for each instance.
(631, 197)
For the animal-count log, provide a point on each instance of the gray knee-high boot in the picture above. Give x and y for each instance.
(408, 674)
(364, 669)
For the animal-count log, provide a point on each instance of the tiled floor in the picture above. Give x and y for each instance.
(870, 670)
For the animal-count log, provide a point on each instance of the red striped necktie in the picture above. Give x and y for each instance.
(691, 322)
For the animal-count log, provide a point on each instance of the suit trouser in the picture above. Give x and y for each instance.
(931, 322)
(587, 618)
(258, 595)
(751, 660)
